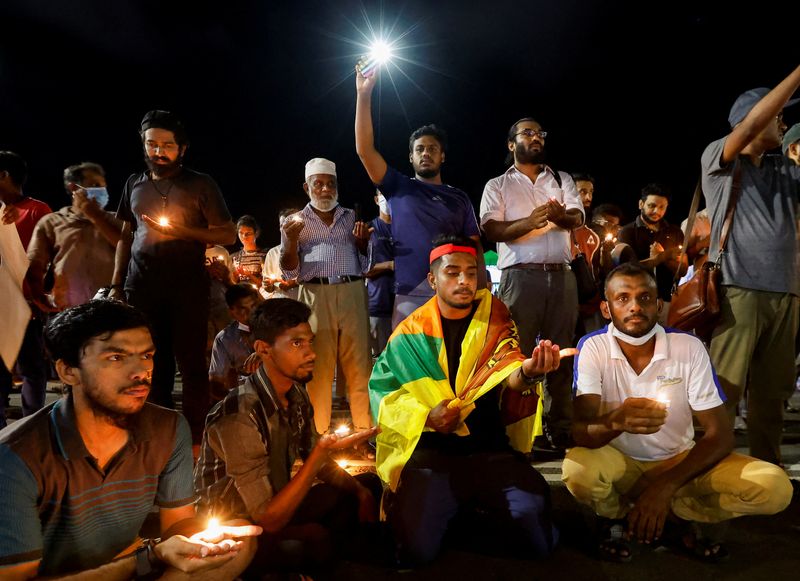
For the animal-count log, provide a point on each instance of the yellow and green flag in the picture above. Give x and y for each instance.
(411, 377)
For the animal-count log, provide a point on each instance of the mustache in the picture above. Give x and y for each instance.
(142, 383)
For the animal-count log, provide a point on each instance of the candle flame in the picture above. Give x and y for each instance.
(163, 221)
(343, 463)
(342, 430)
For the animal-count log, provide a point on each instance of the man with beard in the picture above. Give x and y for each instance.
(324, 248)
(636, 463)
(170, 213)
(422, 207)
(80, 477)
(656, 242)
(439, 390)
(530, 211)
(253, 438)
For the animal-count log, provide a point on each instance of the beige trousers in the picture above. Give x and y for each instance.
(738, 485)
(340, 321)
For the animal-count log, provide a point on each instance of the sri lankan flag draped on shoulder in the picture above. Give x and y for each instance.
(411, 377)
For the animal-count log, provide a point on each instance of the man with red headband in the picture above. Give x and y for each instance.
(437, 390)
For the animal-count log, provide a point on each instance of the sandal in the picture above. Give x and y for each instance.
(612, 545)
(700, 542)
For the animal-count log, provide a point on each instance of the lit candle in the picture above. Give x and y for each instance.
(163, 221)
(609, 237)
(342, 430)
(663, 398)
(213, 529)
(343, 463)
(254, 286)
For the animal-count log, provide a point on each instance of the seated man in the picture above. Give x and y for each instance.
(232, 346)
(80, 476)
(443, 444)
(637, 386)
(253, 438)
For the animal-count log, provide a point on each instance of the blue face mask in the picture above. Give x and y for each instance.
(100, 195)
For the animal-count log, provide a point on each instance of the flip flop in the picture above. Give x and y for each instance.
(612, 544)
(698, 542)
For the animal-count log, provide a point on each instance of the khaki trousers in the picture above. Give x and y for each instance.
(340, 321)
(753, 348)
(738, 485)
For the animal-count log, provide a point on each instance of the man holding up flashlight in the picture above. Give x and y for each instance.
(637, 465)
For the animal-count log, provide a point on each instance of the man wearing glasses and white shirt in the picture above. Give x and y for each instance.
(529, 212)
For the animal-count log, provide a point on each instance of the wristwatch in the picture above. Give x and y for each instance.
(148, 565)
(531, 380)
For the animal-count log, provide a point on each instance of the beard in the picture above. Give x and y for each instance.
(455, 301)
(647, 219)
(162, 166)
(325, 205)
(104, 406)
(427, 173)
(524, 155)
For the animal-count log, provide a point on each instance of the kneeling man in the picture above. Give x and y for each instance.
(437, 392)
(253, 438)
(79, 477)
(637, 386)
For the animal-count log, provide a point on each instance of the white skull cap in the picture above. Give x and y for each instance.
(320, 165)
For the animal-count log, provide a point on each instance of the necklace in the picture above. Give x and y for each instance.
(163, 194)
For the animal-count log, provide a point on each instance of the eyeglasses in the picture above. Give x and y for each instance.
(531, 133)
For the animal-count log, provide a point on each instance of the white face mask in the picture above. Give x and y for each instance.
(243, 327)
(636, 341)
(383, 205)
(324, 205)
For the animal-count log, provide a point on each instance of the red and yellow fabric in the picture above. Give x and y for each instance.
(411, 377)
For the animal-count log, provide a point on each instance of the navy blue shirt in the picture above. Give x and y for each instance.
(421, 212)
(380, 290)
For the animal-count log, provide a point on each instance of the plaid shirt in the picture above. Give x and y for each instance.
(249, 446)
(327, 250)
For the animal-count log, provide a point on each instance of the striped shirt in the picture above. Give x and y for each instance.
(249, 446)
(326, 250)
(57, 505)
(248, 263)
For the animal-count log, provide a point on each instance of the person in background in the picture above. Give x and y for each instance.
(24, 212)
(380, 276)
(273, 284)
(656, 242)
(76, 244)
(233, 344)
(248, 262)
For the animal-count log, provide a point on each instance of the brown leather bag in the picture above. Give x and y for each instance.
(695, 304)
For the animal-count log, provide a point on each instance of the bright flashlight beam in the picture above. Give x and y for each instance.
(380, 52)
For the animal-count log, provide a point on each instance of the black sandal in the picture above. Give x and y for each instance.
(701, 542)
(612, 544)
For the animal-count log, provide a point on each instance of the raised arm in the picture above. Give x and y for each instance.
(365, 139)
(760, 116)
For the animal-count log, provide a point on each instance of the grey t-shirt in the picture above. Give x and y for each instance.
(190, 198)
(762, 249)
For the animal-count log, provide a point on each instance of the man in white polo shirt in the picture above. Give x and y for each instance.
(637, 386)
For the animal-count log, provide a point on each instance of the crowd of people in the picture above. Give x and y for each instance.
(451, 381)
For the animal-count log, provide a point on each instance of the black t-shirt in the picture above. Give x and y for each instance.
(639, 237)
(191, 199)
(486, 429)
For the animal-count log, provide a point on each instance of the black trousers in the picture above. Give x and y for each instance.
(178, 317)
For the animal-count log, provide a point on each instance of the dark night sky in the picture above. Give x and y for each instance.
(630, 92)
